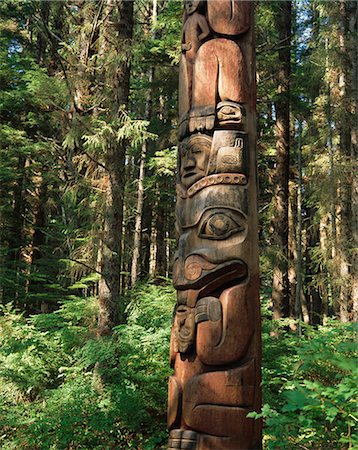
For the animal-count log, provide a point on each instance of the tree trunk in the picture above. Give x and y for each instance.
(138, 219)
(42, 41)
(292, 245)
(353, 29)
(313, 271)
(344, 231)
(280, 285)
(299, 296)
(146, 234)
(119, 22)
(140, 192)
(38, 241)
(333, 193)
(135, 269)
(160, 256)
(326, 283)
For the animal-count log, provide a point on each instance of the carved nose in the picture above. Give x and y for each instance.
(189, 163)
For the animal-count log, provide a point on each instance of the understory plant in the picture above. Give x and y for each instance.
(63, 388)
(310, 388)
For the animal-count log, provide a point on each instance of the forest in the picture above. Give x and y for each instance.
(88, 139)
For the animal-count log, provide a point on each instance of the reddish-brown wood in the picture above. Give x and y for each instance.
(215, 343)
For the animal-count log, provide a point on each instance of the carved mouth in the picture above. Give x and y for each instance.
(211, 281)
(189, 174)
(228, 279)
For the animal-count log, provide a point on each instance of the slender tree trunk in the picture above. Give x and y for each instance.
(146, 234)
(313, 275)
(135, 269)
(297, 303)
(42, 41)
(121, 24)
(160, 256)
(353, 29)
(325, 284)
(292, 245)
(140, 192)
(313, 295)
(299, 296)
(138, 219)
(333, 276)
(280, 285)
(344, 234)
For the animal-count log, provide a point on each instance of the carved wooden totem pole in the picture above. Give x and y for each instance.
(215, 341)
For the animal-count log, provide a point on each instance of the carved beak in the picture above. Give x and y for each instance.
(199, 274)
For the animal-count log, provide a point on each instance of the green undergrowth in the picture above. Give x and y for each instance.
(61, 388)
(310, 387)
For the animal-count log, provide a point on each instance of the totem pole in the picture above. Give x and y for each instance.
(215, 343)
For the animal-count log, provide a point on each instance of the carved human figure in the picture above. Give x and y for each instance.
(195, 31)
(218, 86)
(212, 71)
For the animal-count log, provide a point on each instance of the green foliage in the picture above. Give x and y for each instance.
(164, 161)
(310, 388)
(60, 387)
(124, 128)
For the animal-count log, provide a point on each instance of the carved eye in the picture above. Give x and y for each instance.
(196, 149)
(220, 225)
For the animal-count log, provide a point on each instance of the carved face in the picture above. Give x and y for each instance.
(208, 251)
(194, 158)
(184, 328)
(212, 250)
(192, 5)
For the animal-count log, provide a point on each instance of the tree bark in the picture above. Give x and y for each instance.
(137, 247)
(119, 21)
(146, 234)
(299, 296)
(353, 30)
(160, 224)
(280, 284)
(344, 230)
(138, 220)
